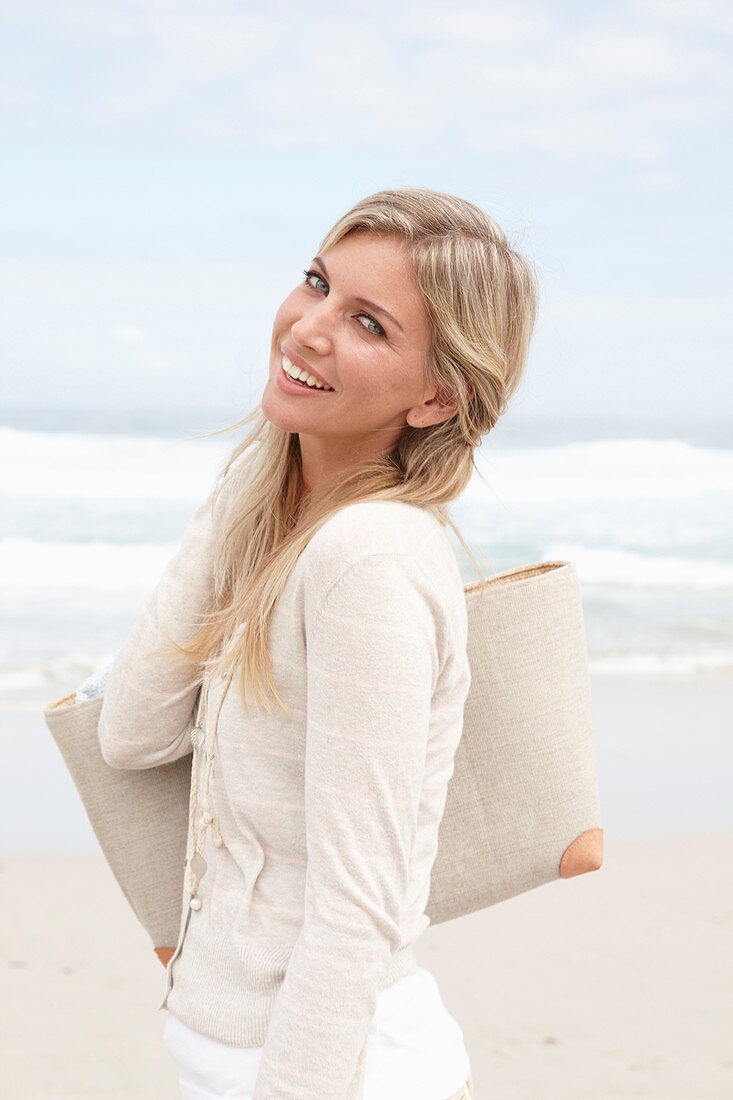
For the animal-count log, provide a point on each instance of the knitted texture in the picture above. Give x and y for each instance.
(329, 817)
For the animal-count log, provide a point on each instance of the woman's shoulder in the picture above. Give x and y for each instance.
(374, 528)
(232, 483)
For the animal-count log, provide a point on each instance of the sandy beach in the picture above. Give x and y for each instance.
(613, 985)
(617, 984)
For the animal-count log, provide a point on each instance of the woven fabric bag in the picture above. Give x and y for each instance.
(522, 807)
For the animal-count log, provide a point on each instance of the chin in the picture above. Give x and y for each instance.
(273, 410)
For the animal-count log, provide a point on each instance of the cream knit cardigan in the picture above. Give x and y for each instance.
(326, 822)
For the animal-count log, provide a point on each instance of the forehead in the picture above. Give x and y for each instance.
(378, 268)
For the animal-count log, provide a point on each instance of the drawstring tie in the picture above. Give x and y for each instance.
(196, 864)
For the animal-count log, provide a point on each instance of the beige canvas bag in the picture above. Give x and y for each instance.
(522, 806)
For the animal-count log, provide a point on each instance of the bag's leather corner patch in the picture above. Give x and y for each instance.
(65, 701)
(584, 854)
(165, 954)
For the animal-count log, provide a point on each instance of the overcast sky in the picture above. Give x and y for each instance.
(170, 167)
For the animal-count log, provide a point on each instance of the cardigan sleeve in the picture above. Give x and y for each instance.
(372, 664)
(149, 704)
(148, 707)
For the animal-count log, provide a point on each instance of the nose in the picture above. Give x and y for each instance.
(311, 330)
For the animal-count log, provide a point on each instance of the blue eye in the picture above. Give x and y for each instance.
(308, 275)
(377, 331)
(380, 330)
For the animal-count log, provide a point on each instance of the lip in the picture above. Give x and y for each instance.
(297, 389)
(298, 361)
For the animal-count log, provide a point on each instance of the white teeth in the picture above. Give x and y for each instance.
(302, 375)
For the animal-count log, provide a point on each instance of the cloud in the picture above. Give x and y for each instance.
(538, 79)
(127, 334)
(706, 16)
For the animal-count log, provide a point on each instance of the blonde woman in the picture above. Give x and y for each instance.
(317, 599)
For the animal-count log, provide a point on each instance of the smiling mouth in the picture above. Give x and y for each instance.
(295, 374)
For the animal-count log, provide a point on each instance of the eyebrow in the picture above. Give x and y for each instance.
(364, 301)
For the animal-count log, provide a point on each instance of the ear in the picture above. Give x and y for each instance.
(443, 397)
(434, 410)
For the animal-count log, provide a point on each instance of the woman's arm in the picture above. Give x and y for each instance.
(149, 701)
(149, 704)
(373, 663)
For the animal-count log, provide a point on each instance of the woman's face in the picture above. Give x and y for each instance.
(358, 323)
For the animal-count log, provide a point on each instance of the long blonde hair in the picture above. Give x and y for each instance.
(481, 298)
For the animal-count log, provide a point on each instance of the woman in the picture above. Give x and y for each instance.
(317, 598)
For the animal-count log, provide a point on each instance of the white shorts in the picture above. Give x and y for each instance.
(415, 1051)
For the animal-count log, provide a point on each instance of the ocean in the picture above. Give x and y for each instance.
(88, 521)
(90, 518)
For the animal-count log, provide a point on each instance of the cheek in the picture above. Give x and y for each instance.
(367, 375)
(377, 383)
(285, 316)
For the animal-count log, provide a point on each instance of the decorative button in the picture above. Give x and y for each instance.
(197, 737)
(196, 903)
(198, 866)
